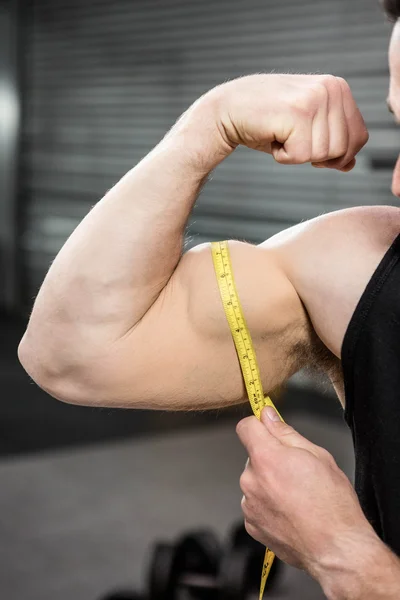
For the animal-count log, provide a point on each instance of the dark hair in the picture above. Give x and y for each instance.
(391, 8)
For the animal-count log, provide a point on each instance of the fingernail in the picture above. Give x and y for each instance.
(272, 414)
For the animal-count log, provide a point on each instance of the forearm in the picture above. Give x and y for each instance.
(115, 264)
(360, 567)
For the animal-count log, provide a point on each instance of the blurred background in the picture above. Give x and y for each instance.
(87, 88)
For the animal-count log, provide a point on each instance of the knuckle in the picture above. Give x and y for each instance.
(310, 97)
(258, 457)
(365, 136)
(242, 426)
(239, 428)
(328, 80)
(345, 86)
(326, 456)
(286, 429)
(320, 90)
(305, 102)
(251, 530)
(308, 462)
(245, 482)
(244, 507)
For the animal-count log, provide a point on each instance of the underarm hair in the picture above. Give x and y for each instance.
(317, 360)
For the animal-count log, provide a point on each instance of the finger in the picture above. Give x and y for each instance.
(287, 435)
(293, 145)
(247, 513)
(358, 133)
(353, 127)
(337, 122)
(255, 437)
(256, 534)
(349, 166)
(336, 164)
(337, 125)
(247, 483)
(251, 529)
(320, 129)
(249, 432)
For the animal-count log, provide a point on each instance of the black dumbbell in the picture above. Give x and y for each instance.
(240, 539)
(193, 569)
(240, 574)
(188, 564)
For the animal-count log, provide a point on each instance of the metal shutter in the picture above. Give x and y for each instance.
(9, 146)
(104, 81)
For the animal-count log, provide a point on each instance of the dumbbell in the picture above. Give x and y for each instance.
(196, 568)
(239, 538)
(190, 564)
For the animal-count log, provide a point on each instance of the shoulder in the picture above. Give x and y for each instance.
(330, 260)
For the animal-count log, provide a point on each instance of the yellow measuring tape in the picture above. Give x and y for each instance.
(245, 351)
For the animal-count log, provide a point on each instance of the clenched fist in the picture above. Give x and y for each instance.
(296, 118)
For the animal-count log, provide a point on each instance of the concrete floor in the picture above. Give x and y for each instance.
(77, 523)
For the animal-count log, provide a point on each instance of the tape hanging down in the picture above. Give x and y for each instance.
(245, 351)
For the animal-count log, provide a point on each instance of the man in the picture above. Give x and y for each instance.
(123, 319)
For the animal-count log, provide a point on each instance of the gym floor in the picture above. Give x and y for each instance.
(86, 492)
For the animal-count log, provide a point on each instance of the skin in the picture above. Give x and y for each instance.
(282, 459)
(123, 319)
(352, 565)
(393, 98)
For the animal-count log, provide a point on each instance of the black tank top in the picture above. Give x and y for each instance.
(371, 368)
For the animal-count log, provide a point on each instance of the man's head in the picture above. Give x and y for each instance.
(392, 9)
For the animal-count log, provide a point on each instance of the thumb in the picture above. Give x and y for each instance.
(285, 433)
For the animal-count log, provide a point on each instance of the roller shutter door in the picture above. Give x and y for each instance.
(105, 80)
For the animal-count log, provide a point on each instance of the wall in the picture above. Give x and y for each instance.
(9, 138)
(106, 80)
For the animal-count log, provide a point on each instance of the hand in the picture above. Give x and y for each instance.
(296, 499)
(296, 118)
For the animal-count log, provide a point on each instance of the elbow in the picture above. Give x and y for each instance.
(60, 380)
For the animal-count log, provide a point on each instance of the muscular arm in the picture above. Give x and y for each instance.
(115, 264)
(122, 320)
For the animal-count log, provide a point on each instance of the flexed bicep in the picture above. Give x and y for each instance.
(181, 355)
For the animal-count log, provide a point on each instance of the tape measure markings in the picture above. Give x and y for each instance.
(245, 351)
(237, 323)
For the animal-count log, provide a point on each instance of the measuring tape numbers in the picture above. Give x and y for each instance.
(245, 351)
